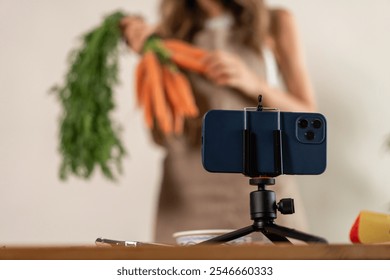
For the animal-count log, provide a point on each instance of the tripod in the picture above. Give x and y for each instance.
(263, 208)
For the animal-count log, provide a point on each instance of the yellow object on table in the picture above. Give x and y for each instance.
(371, 227)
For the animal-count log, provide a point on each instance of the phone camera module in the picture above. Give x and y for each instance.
(303, 123)
(310, 128)
(316, 123)
(310, 135)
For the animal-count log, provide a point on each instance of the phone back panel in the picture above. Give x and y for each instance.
(303, 148)
(221, 141)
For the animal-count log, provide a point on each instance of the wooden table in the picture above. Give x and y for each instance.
(212, 252)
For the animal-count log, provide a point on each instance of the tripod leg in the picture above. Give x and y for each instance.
(288, 232)
(274, 237)
(230, 235)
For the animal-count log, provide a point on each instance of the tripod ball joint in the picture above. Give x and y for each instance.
(263, 205)
(286, 206)
(263, 202)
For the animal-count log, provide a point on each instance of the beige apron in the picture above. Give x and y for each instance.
(190, 197)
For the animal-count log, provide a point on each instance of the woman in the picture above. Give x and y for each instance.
(252, 50)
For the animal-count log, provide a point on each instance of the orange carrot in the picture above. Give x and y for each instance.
(171, 91)
(185, 92)
(140, 74)
(179, 93)
(179, 46)
(176, 102)
(178, 123)
(147, 102)
(160, 107)
(188, 62)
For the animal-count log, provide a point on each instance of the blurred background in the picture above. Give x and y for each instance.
(347, 52)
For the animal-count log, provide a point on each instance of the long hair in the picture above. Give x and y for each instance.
(182, 19)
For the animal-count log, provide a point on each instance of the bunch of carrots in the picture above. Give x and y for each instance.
(162, 89)
(88, 136)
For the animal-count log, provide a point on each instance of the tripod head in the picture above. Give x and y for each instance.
(263, 206)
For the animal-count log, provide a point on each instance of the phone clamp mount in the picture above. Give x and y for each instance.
(263, 205)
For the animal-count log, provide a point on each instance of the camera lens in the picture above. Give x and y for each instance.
(303, 123)
(309, 135)
(316, 123)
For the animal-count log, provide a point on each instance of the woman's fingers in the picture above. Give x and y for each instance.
(226, 69)
(135, 31)
(221, 67)
(129, 19)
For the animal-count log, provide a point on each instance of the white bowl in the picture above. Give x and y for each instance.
(191, 237)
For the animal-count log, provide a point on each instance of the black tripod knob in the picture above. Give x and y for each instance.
(286, 206)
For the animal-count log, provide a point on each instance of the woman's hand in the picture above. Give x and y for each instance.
(227, 69)
(135, 31)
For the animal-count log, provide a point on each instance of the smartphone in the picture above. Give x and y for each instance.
(281, 142)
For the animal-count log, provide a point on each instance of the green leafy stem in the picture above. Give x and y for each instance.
(88, 136)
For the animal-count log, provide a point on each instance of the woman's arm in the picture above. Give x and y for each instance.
(229, 70)
(300, 96)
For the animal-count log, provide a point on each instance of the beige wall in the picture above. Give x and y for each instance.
(346, 47)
